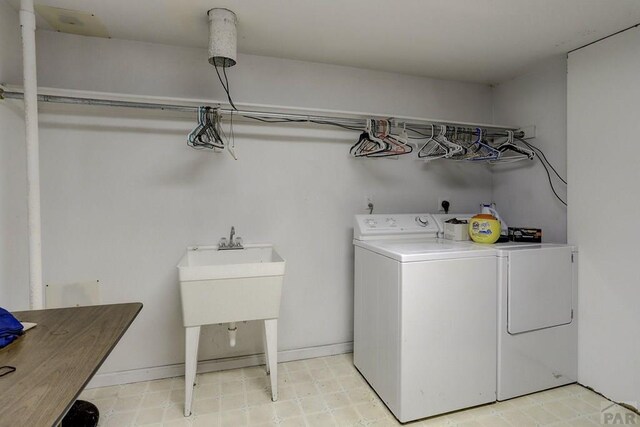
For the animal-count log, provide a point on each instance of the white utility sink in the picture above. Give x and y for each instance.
(207, 262)
(229, 286)
(221, 286)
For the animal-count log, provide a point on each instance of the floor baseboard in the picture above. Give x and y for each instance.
(169, 371)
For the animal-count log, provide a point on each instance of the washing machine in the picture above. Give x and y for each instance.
(537, 315)
(425, 316)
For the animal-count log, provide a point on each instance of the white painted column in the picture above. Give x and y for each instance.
(28, 27)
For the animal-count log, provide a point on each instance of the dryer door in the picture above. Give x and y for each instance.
(539, 288)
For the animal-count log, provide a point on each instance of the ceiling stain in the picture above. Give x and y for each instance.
(72, 21)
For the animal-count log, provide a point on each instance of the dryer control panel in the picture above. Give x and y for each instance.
(383, 226)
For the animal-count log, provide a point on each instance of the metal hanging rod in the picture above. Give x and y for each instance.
(357, 122)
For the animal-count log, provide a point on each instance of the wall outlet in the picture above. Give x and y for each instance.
(368, 203)
(439, 208)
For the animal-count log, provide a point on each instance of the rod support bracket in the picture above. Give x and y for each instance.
(526, 132)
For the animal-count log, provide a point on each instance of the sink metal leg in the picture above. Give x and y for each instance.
(192, 337)
(271, 332)
(266, 348)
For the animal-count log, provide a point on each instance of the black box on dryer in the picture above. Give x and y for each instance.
(525, 234)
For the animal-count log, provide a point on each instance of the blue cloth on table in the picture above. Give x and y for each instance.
(10, 328)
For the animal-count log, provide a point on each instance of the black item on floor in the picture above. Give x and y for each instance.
(81, 414)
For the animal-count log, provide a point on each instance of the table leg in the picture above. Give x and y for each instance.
(271, 332)
(192, 336)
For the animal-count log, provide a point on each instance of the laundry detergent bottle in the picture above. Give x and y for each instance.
(484, 228)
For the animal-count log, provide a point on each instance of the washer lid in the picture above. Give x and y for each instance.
(423, 249)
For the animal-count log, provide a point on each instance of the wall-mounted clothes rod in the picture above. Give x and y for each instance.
(266, 113)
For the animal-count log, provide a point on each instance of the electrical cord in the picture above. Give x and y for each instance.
(533, 147)
(544, 159)
(460, 131)
(551, 183)
(226, 80)
(319, 122)
(225, 86)
(424, 135)
(275, 120)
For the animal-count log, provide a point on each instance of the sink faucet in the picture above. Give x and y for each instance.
(232, 243)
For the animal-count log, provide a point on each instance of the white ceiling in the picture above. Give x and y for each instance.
(473, 40)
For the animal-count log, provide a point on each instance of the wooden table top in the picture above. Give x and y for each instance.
(55, 360)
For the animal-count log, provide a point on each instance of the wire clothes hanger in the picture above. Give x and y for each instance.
(396, 145)
(403, 139)
(441, 147)
(483, 150)
(454, 148)
(437, 150)
(509, 145)
(378, 140)
(368, 144)
(207, 132)
(192, 138)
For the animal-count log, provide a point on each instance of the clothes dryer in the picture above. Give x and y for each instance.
(537, 314)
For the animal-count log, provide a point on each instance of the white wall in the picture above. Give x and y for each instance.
(522, 193)
(11, 59)
(603, 112)
(123, 195)
(14, 261)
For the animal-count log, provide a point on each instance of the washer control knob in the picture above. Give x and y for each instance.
(422, 221)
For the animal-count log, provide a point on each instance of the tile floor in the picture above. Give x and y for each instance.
(326, 391)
